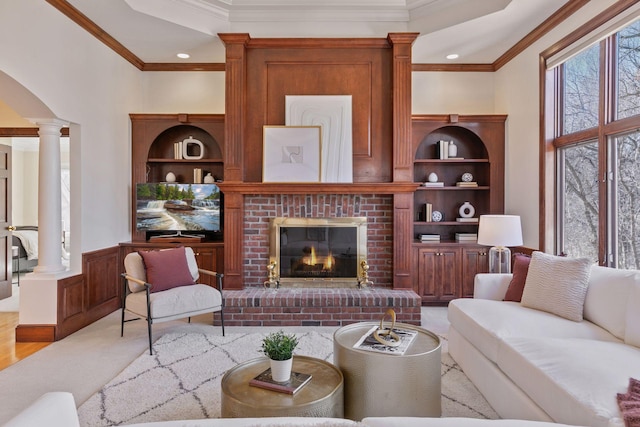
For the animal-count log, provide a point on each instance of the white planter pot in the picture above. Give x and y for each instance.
(281, 370)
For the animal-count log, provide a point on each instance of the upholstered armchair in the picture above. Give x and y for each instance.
(161, 285)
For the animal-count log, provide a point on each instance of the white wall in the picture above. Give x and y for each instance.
(453, 93)
(24, 186)
(517, 92)
(83, 82)
(183, 92)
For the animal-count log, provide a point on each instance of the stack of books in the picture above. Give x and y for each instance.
(427, 212)
(429, 238)
(177, 150)
(433, 184)
(467, 219)
(466, 184)
(295, 383)
(466, 237)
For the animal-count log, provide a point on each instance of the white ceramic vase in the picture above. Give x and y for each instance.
(281, 369)
(171, 177)
(209, 179)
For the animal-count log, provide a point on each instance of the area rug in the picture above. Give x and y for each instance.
(182, 380)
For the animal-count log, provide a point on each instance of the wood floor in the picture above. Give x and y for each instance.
(10, 351)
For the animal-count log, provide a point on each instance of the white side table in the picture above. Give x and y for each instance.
(382, 385)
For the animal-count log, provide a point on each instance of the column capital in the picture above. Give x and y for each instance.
(49, 122)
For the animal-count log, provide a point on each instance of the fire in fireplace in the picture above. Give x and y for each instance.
(318, 251)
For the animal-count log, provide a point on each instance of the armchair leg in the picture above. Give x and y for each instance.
(122, 324)
(221, 319)
(149, 328)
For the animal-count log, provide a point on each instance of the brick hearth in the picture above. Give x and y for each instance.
(258, 306)
(317, 307)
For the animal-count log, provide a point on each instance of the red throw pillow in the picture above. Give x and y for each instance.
(516, 286)
(167, 269)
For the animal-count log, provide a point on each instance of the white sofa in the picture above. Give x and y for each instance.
(57, 409)
(530, 364)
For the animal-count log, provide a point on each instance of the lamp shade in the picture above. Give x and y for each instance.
(499, 230)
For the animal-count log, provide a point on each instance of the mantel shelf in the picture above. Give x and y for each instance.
(318, 188)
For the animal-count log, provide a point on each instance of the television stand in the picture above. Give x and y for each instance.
(178, 237)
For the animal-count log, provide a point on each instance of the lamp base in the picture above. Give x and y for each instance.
(499, 260)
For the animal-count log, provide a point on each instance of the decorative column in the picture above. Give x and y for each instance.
(403, 155)
(49, 204)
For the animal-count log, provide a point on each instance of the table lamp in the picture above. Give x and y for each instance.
(499, 231)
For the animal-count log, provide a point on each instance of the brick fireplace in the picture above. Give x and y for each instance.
(256, 305)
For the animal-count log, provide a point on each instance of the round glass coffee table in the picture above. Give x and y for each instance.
(322, 396)
(381, 385)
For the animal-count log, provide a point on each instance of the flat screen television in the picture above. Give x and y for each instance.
(172, 209)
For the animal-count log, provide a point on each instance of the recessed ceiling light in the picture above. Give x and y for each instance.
(184, 55)
(453, 56)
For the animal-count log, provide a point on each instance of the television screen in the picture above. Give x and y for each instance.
(173, 207)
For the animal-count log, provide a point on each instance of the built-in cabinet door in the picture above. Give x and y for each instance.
(474, 261)
(206, 257)
(438, 269)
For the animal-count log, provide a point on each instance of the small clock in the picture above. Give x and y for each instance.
(436, 216)
(467, 177)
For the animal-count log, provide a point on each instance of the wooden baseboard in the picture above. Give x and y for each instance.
(35, 333)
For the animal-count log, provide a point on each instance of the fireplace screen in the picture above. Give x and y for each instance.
(318, 251)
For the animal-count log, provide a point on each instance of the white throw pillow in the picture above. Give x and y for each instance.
(557, 285)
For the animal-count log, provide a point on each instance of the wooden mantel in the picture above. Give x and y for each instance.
(320, 188)
(260, 73)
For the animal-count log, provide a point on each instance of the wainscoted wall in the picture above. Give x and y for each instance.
(378, 209)
(82, 299)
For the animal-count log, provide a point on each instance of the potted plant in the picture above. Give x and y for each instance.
(278, 347)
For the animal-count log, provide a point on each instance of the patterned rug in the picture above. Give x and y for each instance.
(182, 380)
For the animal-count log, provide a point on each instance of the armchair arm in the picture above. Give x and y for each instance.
(491, 286)
(126, 277)
(218, 277)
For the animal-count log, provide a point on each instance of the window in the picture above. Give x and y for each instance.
(626, 201)
(580, 91)
(597, 151)
(579, 207)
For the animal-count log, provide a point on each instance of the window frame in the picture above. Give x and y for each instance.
(609, 128)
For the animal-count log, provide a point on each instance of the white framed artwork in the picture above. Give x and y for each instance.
(333, 114)
(291, 154)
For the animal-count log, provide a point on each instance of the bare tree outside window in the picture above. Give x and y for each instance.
(580, 200)
(628, 79)
(581, 91)
(627, 196)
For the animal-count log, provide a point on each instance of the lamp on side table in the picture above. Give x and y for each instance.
(499, 231)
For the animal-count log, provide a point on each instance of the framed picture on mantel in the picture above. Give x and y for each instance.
(291, 154)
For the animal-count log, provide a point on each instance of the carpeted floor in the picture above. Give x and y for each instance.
(190, 366)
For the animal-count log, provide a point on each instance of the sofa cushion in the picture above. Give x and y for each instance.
(607, 297)
(167, 268)
(632, 330)
(573, 380)
(557, 285)
(516, 286)
(176, 300)
(485, 323)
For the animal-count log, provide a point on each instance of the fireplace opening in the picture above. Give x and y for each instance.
(318, 251)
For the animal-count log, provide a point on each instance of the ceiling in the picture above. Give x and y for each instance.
(479, 31)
